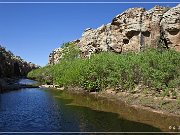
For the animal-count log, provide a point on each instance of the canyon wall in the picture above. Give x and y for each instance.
(133, 30)
(13, 66)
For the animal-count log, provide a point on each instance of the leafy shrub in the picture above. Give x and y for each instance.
(158, 71)
(43, 75)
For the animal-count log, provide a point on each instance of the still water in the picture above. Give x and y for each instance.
(45, 110)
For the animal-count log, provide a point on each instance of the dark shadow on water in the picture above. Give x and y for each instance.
(90, 120)
(37, 110)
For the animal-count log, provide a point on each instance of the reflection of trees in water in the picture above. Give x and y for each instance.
(99, 121)
(92, 116)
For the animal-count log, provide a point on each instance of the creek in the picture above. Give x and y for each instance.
(46, 110)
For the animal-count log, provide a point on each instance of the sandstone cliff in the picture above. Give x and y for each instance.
(133, 30)
(13, 66)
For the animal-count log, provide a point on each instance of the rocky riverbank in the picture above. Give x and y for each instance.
(9, 84)
(12, 68)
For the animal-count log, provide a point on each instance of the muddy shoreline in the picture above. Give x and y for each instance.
(139, 102)
(128, 106)
(160, 105)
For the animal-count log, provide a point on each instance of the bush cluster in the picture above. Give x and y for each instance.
(157, 71)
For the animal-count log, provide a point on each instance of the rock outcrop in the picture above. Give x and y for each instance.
(57, 54)
(133, 30)
(170, 24)
(13, 66)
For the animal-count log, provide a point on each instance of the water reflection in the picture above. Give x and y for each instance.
(122, 111)
(26, 81)
(53, 111)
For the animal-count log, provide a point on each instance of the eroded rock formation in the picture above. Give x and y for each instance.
(57, 54)
(170, 24)
(133, 30)
(13, 66)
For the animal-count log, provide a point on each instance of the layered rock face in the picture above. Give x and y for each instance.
(133, 30)
(13, 66)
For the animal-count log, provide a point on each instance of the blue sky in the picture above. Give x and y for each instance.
(32, 31)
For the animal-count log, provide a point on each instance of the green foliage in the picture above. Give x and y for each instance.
(43, 75)
(158, 71)
(70, 51)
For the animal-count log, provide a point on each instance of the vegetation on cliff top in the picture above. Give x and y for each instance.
(149, 70)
